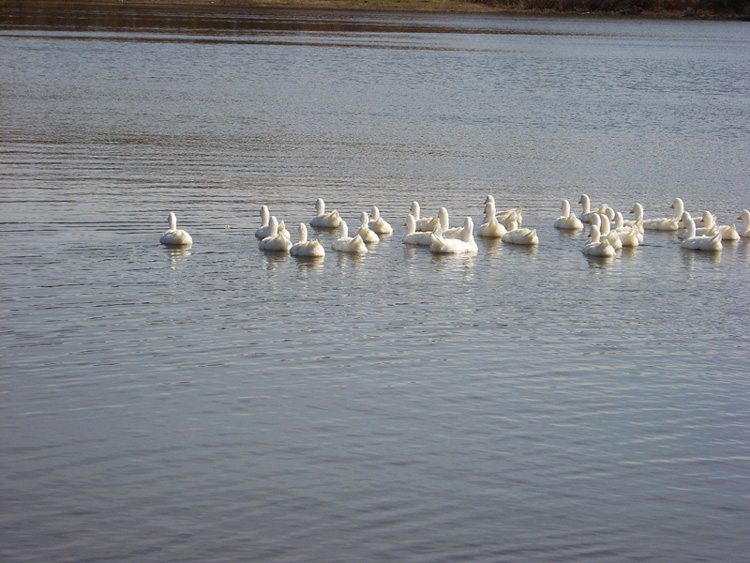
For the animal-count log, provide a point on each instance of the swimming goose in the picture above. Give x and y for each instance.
(412, 236)
(264, 230)
(507, 215)
(568, 220)
(662, 224)
(518, 235)
(367, 234)
(629, 236)
(605, 232)
(306, 247)
(447, 231)
(175, 236)
(423, 224)
(275, 241)
(728, 232)
(345, 243)
(586, 212)
(694, 242)
(491, 228)
(379, 225)
(596, 246)
(464, 245)
(745, 218)
(679, 208)
(325, 220)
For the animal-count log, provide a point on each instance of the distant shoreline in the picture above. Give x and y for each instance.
(564, 8)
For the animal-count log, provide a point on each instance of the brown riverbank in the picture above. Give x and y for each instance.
(728, 9)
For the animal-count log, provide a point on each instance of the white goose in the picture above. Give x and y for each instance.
(345, 243)
(424, 224)
(265, 229)
(586, 212)
(379, 225)
(629, 236)
(568, 220)
(446, 230)
(679, 208)
(464, 245)
(307, 247)
(745, 218)
(662, 224)
(507, 215)
(605, 232)
(367, 234)
(325, 220)
(519, 235)
(175, 236)
(695, 242)
(275, 241)
(682, 234)
(728, 232)
(491, 228)
(598, 247)
(412, 236)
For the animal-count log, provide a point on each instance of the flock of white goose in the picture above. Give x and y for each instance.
(608, 230)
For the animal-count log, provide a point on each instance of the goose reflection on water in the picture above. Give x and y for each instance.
(177, 255)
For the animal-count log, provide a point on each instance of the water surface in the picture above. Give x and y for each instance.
(225, 404)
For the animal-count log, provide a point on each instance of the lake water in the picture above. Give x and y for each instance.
(223, 404)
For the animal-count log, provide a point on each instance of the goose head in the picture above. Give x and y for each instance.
(679, 207)
(689, 224)
(586, 202)
(320, 206)
(468, 233)
(565, 206)
(414, 210)
(410, 224)
(172, 221)
(707, 218)
(302, 230)
(264, 215)
(364, 219)
(343, 229)
(605, 227)
(594, 234)
(274, 227)
(375, 213)
(443, 218)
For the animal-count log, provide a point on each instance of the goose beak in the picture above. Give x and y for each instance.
(632, 210)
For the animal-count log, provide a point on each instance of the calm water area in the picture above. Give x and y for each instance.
(219, 403)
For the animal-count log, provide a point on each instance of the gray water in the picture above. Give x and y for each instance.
(218, 403)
